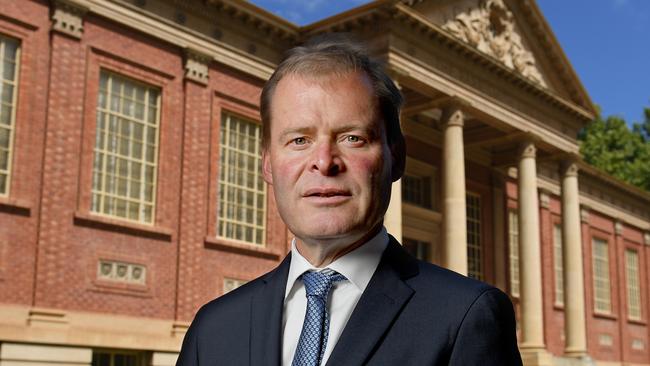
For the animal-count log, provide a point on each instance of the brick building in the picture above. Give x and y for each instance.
(130, 191)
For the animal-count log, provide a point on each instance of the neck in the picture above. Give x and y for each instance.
(321, 253)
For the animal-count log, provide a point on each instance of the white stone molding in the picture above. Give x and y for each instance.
(646, 238)
(584, 214)
(618, 228)
(490, 28)
(544, 199)
(67, 18)
(197, 66)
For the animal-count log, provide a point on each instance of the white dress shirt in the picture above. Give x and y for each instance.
(358, 266)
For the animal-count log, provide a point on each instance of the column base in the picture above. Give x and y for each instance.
(21, 354)
(574, 361)
(536, 357)
(164, 359)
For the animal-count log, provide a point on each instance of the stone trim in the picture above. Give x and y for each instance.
(197, 66)
(618, 228)
(646, 238)
(544, 199)
(584, 214)
(67, 18)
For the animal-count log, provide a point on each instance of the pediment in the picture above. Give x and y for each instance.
(513, 33)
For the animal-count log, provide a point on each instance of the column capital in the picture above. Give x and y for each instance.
(646, 238)
(67, 18)
(584, 214)
(618, 228)
(527, 149)
(452, 115)
(196, 66)
(569, 168)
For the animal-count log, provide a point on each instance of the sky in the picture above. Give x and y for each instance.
(606, 41)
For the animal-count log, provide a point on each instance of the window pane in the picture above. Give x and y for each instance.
(513, 244)
(242, 207)
(9, 61)
(474, 255)
(602, 289)
(633, 284)
(558, 265)
(120, 146)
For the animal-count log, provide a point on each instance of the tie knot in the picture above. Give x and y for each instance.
(320, 283)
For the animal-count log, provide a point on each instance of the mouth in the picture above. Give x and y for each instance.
(327, 196)
(326, 192)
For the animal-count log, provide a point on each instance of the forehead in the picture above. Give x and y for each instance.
(337, 91)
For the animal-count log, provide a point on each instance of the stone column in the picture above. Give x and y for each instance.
(574, 288)
(530, 263)
(393, 216)
(454, 225)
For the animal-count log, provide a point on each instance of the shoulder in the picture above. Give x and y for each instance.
(231, 308)
(454, 292)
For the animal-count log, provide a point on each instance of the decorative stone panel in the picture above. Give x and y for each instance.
(584, 214)
(618, 228)
(121, 272)
(197, 66)
(544, 199)
(67, 18)
(490, 27)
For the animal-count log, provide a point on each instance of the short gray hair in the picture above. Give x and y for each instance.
(336, 54)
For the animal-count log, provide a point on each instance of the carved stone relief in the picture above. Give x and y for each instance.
(490, 28)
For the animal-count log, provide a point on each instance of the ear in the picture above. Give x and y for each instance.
(267, 172)
(398, 156)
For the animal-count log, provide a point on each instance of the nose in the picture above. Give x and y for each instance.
(326, 159)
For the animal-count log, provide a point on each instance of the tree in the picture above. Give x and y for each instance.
(610, 145)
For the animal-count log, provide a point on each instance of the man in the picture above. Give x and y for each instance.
(347, 294)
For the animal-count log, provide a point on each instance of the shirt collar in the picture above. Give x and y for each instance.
(358, 266)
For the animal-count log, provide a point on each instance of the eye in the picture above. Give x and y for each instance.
(352, 138)
(299, 141)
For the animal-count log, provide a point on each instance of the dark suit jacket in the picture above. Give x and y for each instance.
(411, 313)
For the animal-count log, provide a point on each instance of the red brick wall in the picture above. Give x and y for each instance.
(20, 211)
(55, 132)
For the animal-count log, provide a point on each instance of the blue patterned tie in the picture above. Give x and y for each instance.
(315, 328)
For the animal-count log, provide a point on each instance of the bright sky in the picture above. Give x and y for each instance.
(606, 41)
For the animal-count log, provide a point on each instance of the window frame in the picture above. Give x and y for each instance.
(608, 266)
(417, 167)
(265, 209)
(161, 227)
(558, 262)
(513, 229)
(480, 246)
(13, 119)
(639, 275)
(156, 153)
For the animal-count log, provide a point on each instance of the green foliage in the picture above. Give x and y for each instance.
(610, 145)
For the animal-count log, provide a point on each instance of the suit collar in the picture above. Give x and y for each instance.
(266, 317)
(381, 302)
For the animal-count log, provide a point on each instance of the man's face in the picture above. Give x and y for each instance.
(327, 158)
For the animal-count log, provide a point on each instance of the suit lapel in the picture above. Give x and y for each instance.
(377, 308)
(266, 317)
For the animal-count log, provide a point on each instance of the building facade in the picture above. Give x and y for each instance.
(130, 188)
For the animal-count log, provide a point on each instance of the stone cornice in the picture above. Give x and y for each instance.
(410, 67)
(406, 15)
(260, 18)
(177, 35)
